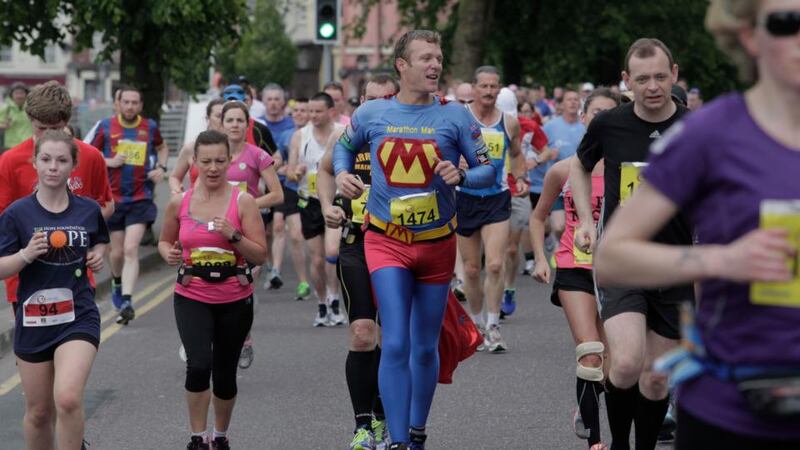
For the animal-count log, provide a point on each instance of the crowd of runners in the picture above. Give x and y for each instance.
(668, 229)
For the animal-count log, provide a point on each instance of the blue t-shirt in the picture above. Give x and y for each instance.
(71, 233)
(563, 137)
(719, 166)
(282, 131)
(405, 141)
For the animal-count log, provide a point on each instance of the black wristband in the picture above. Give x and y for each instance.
(463, 174)
(162, 167)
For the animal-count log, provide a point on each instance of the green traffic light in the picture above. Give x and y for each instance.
(326, 30)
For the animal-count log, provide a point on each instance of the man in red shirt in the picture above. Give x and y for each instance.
(49, 107)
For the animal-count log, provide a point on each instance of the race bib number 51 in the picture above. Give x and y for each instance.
(495, 141)
(630, 177)
(48, 307)
(415, 209)
(783, 214)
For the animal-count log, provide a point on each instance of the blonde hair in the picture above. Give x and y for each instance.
(724, 20)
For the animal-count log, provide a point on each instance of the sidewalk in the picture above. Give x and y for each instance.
(149, 260)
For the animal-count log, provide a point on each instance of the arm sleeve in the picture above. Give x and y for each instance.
(590, 150)
(679, 163)
(9, 240)
(473, 148)
(353, 138)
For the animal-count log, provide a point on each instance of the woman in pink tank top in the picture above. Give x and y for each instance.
(212, 232)
(573, 288)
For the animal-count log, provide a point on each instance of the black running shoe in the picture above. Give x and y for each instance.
(126, 314)
(197, 443)
(220, 443)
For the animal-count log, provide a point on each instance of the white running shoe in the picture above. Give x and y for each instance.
(494, 341)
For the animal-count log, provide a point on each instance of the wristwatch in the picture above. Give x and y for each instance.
(162, 167)
(235, 237)
(463, 174)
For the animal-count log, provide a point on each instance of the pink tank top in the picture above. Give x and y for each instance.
(201, 247)
(245, 171)
(568, 256)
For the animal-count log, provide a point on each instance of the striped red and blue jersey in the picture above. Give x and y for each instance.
(129, 183)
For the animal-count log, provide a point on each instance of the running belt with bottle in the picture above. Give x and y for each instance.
(496, 138)
(207, 252)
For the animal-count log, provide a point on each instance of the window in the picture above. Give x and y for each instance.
(50, 54)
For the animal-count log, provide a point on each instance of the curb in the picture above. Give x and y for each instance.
(149, 261)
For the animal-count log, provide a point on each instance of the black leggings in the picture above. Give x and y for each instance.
(212, 335)
(696, 434)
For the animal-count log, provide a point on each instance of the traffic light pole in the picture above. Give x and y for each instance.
(327, 63)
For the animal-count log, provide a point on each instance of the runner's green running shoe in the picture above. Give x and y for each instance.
(303, 290)
(362, 439)
(379, 431)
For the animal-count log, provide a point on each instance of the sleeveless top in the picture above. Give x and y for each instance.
(310, 154)
(203, 247)
(568, 256)
(496, 138)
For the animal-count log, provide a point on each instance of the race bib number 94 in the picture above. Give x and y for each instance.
(415, 209)
(783, 214)
(630, 177)
(48, 307)
(135, 152)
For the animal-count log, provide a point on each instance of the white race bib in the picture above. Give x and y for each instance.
(48, 307)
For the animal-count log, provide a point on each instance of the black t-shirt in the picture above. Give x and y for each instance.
(619, 135)
(263, 138)
(362, 169)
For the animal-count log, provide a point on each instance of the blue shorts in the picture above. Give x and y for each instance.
(125, 214)
(558, 205)
(473, 212)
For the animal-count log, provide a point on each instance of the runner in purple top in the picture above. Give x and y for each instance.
(733, 167)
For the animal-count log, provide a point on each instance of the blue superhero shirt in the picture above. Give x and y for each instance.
(55, 297)
(405, 143)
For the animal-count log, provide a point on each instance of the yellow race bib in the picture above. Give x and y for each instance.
(242, 185)
(414, 209)
(781, 214)
(495, 141)
(135, 152)
(312, 183)
(630, 177)
(212, 257)
(581, 257)
(359, 206)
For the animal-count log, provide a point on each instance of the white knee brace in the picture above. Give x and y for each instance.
(589, 348)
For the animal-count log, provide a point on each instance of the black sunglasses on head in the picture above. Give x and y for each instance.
(782, 23)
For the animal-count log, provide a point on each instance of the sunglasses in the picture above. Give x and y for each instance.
(782, 23)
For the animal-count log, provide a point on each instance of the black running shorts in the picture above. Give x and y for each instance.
(660, 306)
(354, 278)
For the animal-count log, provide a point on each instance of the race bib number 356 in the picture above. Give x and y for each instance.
(415, 209)
(630, 177)
(135, 152)
(48, 307)
(783, 214)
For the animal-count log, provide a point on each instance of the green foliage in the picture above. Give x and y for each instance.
(157, 39)
(558, 42)
(264, 54)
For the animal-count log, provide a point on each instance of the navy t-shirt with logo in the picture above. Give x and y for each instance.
(44, 310)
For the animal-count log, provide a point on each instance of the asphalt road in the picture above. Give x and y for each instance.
(294, 395)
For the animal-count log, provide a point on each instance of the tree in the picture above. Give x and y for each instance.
(157, 40)
(557, 43)
(263, 53)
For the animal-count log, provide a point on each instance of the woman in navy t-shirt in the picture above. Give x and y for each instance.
(733, 166)
(50, 238)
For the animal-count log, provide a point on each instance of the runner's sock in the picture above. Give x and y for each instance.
(528, 256)
(648, 420)
(218, 434)
(621, 404)
(361, 381)
(117, 281)
(492, 319)
(127, 298)
(478, 319)
(377, 405)
(202, 434)
(589, 406)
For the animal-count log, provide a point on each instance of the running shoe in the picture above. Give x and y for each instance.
(126, 313)
(667, 432)
(182, 353)
(335, 317)
(379, 433)
(458, 290)
(509, 304)
(398, 446)
(494, 341)
(275, 281)
(528, 267)
(578, 427)
(197, 443)
(84, 445)
(482, 346)
(550, 243)
(321, 320)
(246, 356)
(418, 438)
(598, 446)
(221, 443)
(116, 295)
(362, 439)
(552, 261)
(303, 290)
